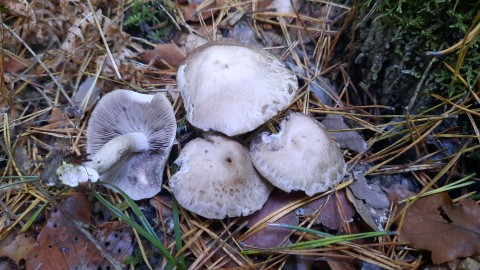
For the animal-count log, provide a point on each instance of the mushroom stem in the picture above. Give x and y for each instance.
(115, 149)
(103, 159)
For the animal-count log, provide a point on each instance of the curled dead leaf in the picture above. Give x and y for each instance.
(60, 245)
(448, 230)
(271, 237)
(164, 55)
(333, 211)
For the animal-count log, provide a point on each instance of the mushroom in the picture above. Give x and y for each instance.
(129, 137)
(300, 157)
(232, 88)
(216, 179)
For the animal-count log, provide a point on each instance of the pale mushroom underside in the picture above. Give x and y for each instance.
(139, 174)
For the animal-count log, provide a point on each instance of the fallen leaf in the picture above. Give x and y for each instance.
(16, 64)
(16, 246)
(370, 194)
(164, 55)
(448, 230)
(347, 139)
(85, 98)
(334, 210)
(21, 9)
(195, 8)
(271, 237)
(117, 238)
(398, 192)
(373, 217)
(62, 246)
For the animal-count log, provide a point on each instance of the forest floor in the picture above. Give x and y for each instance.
(409, 199)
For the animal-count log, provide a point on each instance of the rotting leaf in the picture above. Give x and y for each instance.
(116, 237)
(370, 194)
(193, 9)
(16, 246)
(16, 64)
(271, 237)
(347, 139)
(333, 210)
(375, 218)
(60, 245)
(446, 229)
(164, 55)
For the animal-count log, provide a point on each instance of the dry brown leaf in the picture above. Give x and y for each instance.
(20, 8)
(271, 237)
(192, 10)
(164, 53)
(16, 64)
(117, 238)
(448, 230)
(16, 247)
(62, 246)
(335, 210)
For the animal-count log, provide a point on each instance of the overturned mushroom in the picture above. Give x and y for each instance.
(232, 88)
(217, 179)
(129, 138)
(300, 157)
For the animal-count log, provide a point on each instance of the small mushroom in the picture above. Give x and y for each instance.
(300, 157)
(129, 138)
(216, 179)
(232, 88)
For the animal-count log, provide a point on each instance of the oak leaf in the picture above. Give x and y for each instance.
(446, 229)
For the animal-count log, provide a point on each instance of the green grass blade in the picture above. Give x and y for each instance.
(154, 240)
(16, 182)
(143, 220)
(327, 240)
(33, 218)
(178, 232)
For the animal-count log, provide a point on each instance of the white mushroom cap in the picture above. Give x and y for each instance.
(139, 131)
(232, 88)
(217, 179)
(300, 157)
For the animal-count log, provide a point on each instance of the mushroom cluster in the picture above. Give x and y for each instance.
(234, 89)
(129, 138)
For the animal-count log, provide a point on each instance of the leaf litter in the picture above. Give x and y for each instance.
(449, 230)
(61, 244)
(60, 56)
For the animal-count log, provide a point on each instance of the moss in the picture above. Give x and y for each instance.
(431, 25)
(149, 19)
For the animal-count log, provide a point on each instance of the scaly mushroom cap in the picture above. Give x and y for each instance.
(217, 179)
(232, 88)
(300, 157)
(138, 172)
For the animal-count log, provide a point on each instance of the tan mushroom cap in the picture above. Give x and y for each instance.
(217, 179)
(232, 88)
(300, 157)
